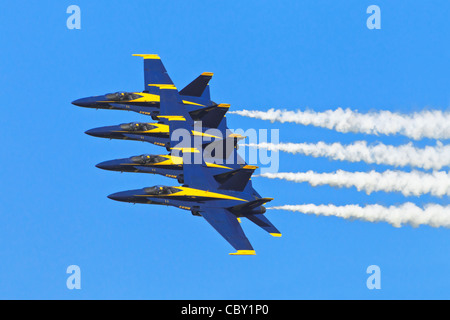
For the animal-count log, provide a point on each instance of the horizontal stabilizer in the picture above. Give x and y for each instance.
(261, 221)
(236, 179)
(210, 116)
(197, 87)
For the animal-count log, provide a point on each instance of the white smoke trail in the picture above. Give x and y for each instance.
(433, 124)
(414, 183)
(399, 156)
(433, 215)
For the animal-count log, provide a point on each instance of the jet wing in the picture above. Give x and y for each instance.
(228, 226)
(155, 74)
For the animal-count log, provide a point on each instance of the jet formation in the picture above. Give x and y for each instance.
(213, 180)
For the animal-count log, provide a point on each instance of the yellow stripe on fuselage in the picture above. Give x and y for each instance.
(171, 161)
(195, 193)
(154, 98)
(179, 161)
(185, 191)
(176, 161)
(193, 103)
(145, 97)
(214, 165)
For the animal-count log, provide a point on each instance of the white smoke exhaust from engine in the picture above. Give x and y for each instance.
(434, 124)
(433, 215)
(415, 183)
(430, 157)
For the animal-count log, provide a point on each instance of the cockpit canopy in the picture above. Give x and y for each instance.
(160, 190)
(122, 96)
(147, 159)
(136, 126)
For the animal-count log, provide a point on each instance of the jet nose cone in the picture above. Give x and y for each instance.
(94, 132)
(109, 165)
(125, 196)
(83, 102)
(102, 132)
(103, 165)
(105, 132)
(132, 196)
(116, 196)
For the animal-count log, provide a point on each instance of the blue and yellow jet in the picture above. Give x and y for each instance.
(222, 198)
(166, 165)
(158, 133)
(195, 95)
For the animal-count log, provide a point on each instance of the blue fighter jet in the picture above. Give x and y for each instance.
(195, 95)
(158, 132)
(166, 165)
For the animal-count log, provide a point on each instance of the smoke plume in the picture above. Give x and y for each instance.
(432, 124)
(415, 183)
(430, 157)
(408, 213)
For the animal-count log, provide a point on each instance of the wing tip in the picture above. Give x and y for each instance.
(243, 253)
(237, 136)
(276, 235)
(147, 56)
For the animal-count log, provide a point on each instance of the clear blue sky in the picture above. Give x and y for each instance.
(289, 54)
